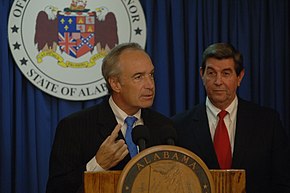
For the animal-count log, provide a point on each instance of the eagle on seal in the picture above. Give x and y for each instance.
(46, 29)
(106, 32)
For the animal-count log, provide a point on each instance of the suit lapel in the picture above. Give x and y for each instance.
(153, 124)
(243, 134)
(203, 137)
(107, 120)
(146, 118)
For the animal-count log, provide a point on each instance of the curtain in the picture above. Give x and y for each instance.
(177, 33)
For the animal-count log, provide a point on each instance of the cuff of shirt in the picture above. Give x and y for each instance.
(93, 166)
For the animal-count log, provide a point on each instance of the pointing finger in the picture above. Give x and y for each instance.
(115, 133)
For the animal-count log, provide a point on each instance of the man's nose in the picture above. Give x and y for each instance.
(149, 81)
(219, 79)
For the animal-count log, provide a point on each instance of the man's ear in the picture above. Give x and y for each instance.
(241, 76)
(115, 84)
(200, 71)
(201, 74)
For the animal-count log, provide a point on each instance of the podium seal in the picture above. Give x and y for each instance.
(165, 169)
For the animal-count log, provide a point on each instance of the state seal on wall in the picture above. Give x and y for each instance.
(59, 45)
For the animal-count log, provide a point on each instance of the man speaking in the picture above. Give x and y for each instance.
(99, 138)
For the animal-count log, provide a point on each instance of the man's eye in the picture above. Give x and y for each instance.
(226, 73)
(137, 77)
(211, 73)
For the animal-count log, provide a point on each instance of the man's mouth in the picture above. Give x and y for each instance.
(148, 96)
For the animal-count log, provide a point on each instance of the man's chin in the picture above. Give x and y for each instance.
(146, 104)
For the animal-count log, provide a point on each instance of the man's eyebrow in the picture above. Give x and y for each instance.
(226, 69)
(142, 73)
(137, 73)
(210, 68)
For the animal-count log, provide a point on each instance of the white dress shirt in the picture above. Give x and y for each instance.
(230, 119)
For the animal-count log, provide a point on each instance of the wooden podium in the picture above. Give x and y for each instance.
(165, 169)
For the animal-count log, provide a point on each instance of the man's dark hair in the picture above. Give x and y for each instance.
(223, 51)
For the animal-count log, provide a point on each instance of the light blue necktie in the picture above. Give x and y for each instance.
(130, 120)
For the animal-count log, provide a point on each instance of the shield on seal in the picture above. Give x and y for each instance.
(76, 32)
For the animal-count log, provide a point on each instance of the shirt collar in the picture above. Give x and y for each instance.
(214, 110)
(119, 113)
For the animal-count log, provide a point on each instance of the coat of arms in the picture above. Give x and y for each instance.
(59, 45)
(76, 30)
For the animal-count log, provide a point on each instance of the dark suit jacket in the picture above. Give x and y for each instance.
(261, 146)
(79, 136)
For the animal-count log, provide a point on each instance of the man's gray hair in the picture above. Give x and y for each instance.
(111, 66)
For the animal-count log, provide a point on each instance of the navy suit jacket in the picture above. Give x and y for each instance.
(261, 146)
(79, 136)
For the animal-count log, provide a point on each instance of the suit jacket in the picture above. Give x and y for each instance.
(79, 136)
(261, 146)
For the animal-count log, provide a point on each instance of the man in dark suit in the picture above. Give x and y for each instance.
(254, 138)
(93, 139)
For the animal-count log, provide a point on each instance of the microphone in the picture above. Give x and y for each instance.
(140, 136)
(169, 135)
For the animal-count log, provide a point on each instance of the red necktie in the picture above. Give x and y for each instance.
(222, 143)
